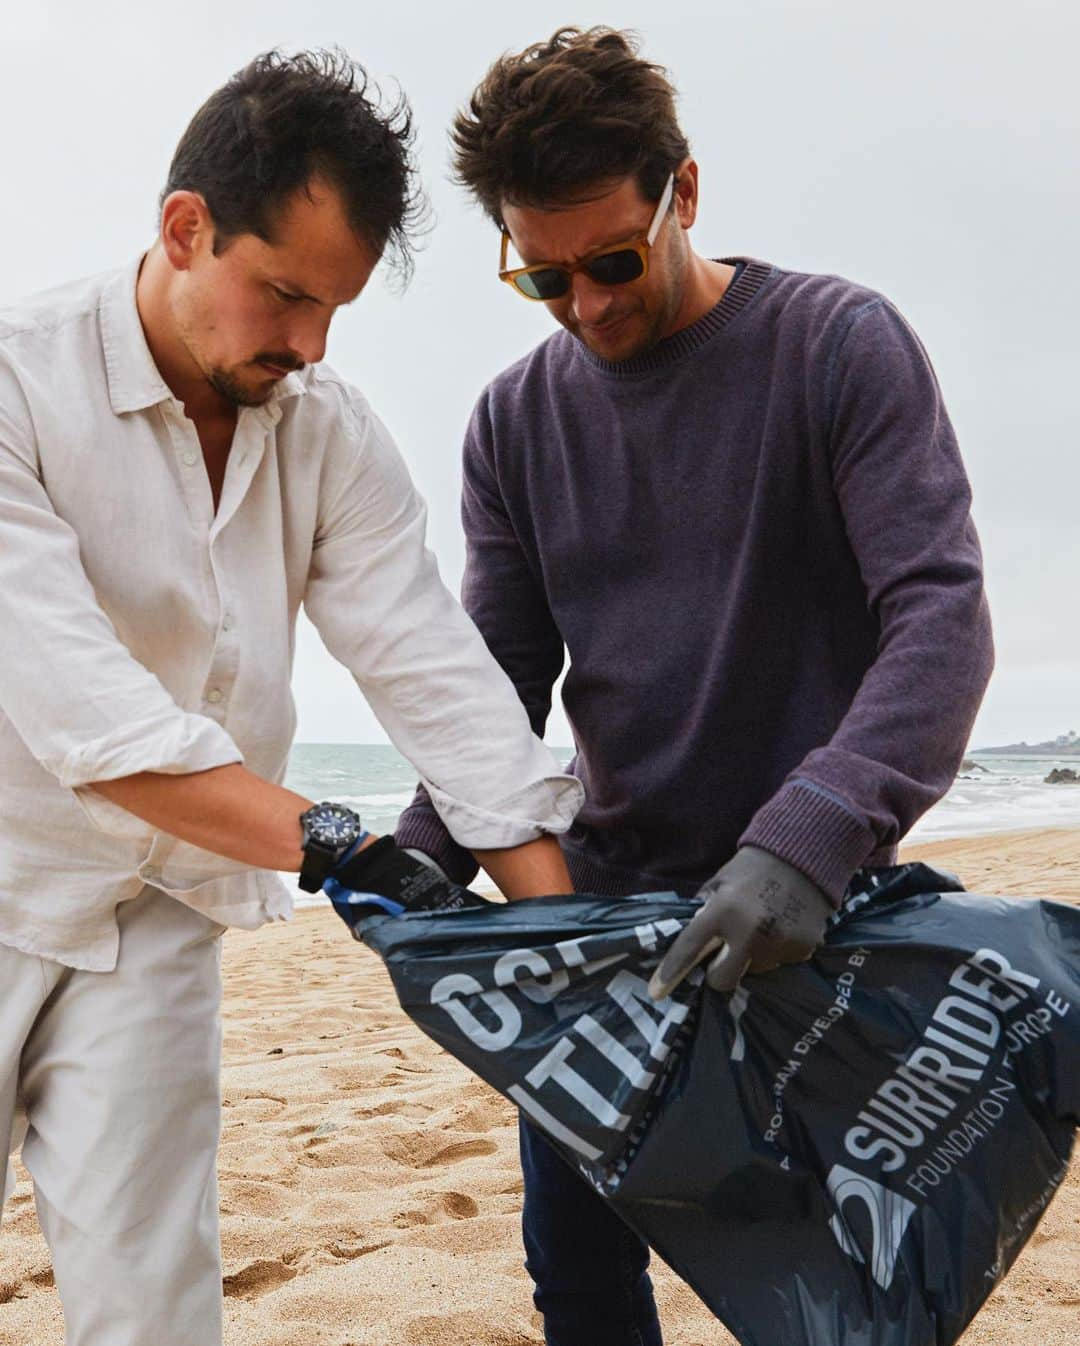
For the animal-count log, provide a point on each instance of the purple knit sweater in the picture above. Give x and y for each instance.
(754, 542)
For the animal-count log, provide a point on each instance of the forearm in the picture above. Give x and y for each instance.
(232, 812)
(533, 870)
(228, 810)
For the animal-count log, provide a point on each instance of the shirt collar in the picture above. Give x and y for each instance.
(135, 382)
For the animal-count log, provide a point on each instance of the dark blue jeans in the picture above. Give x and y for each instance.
(590, 1269)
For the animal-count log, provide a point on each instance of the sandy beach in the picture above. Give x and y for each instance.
(369, 1186)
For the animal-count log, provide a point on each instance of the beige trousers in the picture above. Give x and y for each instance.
(113, 1078)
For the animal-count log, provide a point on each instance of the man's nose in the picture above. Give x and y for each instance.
(589, 301)
(307, 336)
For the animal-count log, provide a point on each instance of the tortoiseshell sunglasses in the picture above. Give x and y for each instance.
(615, 266)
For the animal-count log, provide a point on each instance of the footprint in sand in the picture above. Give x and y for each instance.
(430, 1149)
(257, 1279)
(458, 1206)
(349, 1252)
(255, 1107)
(458, 1150)
(438, 1207)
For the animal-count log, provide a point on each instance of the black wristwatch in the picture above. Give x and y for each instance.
(328, 832)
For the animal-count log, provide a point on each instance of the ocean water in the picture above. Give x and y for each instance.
(372, 778)
(1008, 796)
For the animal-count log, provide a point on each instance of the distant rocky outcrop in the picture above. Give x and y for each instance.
(968, 765)
(1065, 745)
(1062, 776)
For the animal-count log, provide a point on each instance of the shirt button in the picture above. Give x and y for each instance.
(151, 874)
(214, 695)
(227, 622)
(190, 459)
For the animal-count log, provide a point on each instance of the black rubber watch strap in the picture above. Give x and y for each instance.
(318, 862)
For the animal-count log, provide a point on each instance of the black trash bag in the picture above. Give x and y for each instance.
(846, 1152)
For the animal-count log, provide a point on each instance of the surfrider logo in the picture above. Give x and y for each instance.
(947, 1094)
(888, 1214)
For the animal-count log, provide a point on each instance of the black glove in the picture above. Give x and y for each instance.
(759, 912)
(387, 871)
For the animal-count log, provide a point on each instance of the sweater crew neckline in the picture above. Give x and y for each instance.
(680, 344)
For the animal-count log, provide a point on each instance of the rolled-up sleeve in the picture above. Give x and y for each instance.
(375, 596)
(82, 704)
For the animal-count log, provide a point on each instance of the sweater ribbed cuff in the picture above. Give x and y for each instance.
(814, 833)
(424, 830)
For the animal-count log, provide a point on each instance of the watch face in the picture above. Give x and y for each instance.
(333, 824)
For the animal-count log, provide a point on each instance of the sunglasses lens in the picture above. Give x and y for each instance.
(616, 268)
(550, 283)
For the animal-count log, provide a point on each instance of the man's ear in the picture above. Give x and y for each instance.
(686, 192)
(187, 228)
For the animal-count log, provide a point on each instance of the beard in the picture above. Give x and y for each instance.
(644, 329)
(243, 383)
(242, 392)
(649, 323)
(227, 383)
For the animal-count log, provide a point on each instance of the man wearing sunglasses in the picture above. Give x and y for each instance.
(732, 495)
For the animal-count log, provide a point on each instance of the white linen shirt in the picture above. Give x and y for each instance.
(145, 632)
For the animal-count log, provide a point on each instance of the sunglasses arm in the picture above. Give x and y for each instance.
(658, 217)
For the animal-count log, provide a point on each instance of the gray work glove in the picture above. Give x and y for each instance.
(759, 912)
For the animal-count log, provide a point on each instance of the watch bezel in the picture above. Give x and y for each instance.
(311, 820)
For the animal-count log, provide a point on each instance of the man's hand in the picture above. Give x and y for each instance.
(759, 912)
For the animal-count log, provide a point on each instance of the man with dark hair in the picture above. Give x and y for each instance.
(179, 471)
(732, 495)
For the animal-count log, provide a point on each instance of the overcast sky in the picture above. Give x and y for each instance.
(930, 152)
